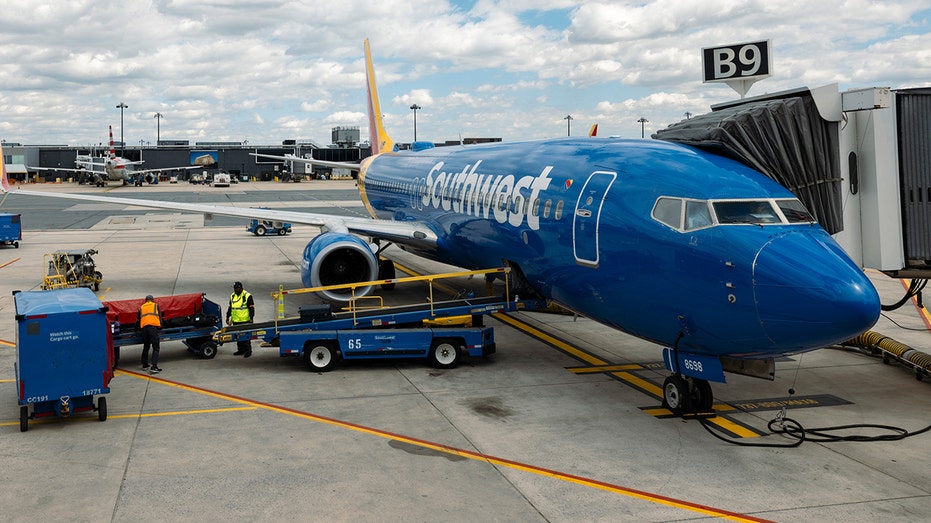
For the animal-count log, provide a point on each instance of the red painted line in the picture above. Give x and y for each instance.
(14, 260)
(601, 485)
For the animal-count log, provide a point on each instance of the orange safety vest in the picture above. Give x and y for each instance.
(149, 315)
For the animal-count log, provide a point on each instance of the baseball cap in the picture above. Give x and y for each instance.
(237, 284)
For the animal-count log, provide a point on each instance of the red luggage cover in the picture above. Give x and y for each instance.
(126, 311)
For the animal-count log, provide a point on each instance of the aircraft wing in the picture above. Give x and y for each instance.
(337, 165)
(64, 169)
(164, 169)
(415, 234)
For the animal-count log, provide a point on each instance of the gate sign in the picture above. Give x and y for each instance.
(736, 62)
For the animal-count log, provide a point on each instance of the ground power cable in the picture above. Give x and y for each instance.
(791, 428)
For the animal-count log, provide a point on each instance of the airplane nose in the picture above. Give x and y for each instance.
(809, 294)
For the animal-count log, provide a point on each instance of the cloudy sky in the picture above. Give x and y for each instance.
(269, 70)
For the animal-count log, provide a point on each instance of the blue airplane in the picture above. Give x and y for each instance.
(687, 249)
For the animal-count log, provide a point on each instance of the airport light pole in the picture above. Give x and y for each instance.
(414, 108)
(122, 143)
(158, 127)
(642, 121)
(568, 119)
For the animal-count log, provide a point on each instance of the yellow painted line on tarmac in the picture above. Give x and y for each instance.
(14, 260)
(556, 342)
(7, 343)
(7, 381)
(604, 368)
(493, 460)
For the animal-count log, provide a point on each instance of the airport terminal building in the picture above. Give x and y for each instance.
(235, 158)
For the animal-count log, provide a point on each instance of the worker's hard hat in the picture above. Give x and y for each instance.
(237, 284)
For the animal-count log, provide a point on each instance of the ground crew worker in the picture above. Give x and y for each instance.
(242, 310)
(149, 322)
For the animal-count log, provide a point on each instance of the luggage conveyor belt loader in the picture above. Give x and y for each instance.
(440, 331)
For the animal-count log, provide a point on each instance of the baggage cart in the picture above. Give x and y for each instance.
(11, 230)
(191, 318)
(64, 354)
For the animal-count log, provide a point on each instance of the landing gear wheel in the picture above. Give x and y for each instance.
(102, 408)
(320, 356)
(260, 230)
(444, 354)
(701, 396)
(207, 350)
(675, 392)
(23, 418)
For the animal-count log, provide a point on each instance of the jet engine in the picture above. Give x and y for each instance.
(336, 259)
(151, 178)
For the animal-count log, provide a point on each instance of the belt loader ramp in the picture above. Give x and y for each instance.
(440, 331)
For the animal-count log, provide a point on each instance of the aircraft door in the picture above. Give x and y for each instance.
(587, 215)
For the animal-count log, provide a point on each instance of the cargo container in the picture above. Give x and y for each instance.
(64, 353)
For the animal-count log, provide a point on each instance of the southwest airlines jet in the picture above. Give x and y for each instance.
(687, 249)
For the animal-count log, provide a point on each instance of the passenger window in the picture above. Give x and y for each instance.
(547, 207)
(669, 212)
(558, 214)
(697, 215)
(536, 207)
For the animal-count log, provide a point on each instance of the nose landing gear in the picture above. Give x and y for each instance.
(685, 395)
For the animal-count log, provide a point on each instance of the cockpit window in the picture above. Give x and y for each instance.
(684, 214)
(697, 215)
(669, 212)
(746, 211)
(795, 211)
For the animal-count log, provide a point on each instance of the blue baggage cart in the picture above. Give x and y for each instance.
(64, 353)
(11, 231)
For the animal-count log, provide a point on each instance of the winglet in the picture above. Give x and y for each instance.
(593, 131)
(4, 181)
(378, 137)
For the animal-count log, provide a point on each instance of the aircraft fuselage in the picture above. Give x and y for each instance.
(587, 221)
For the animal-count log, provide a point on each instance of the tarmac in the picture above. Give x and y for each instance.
(563, 423)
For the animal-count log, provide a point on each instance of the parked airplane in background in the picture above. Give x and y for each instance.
(102, 169)
(675, 245)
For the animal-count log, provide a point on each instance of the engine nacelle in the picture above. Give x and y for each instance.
(336, 259)
(151, 178)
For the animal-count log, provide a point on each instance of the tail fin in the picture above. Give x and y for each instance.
(593, 131)
(379, 139)
(112, 148)
(4, 181)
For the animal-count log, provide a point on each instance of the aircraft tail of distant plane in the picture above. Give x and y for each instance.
(378, 137)
(593, 131)
(112, 147)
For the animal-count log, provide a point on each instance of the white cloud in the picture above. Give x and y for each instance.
(264, 70)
